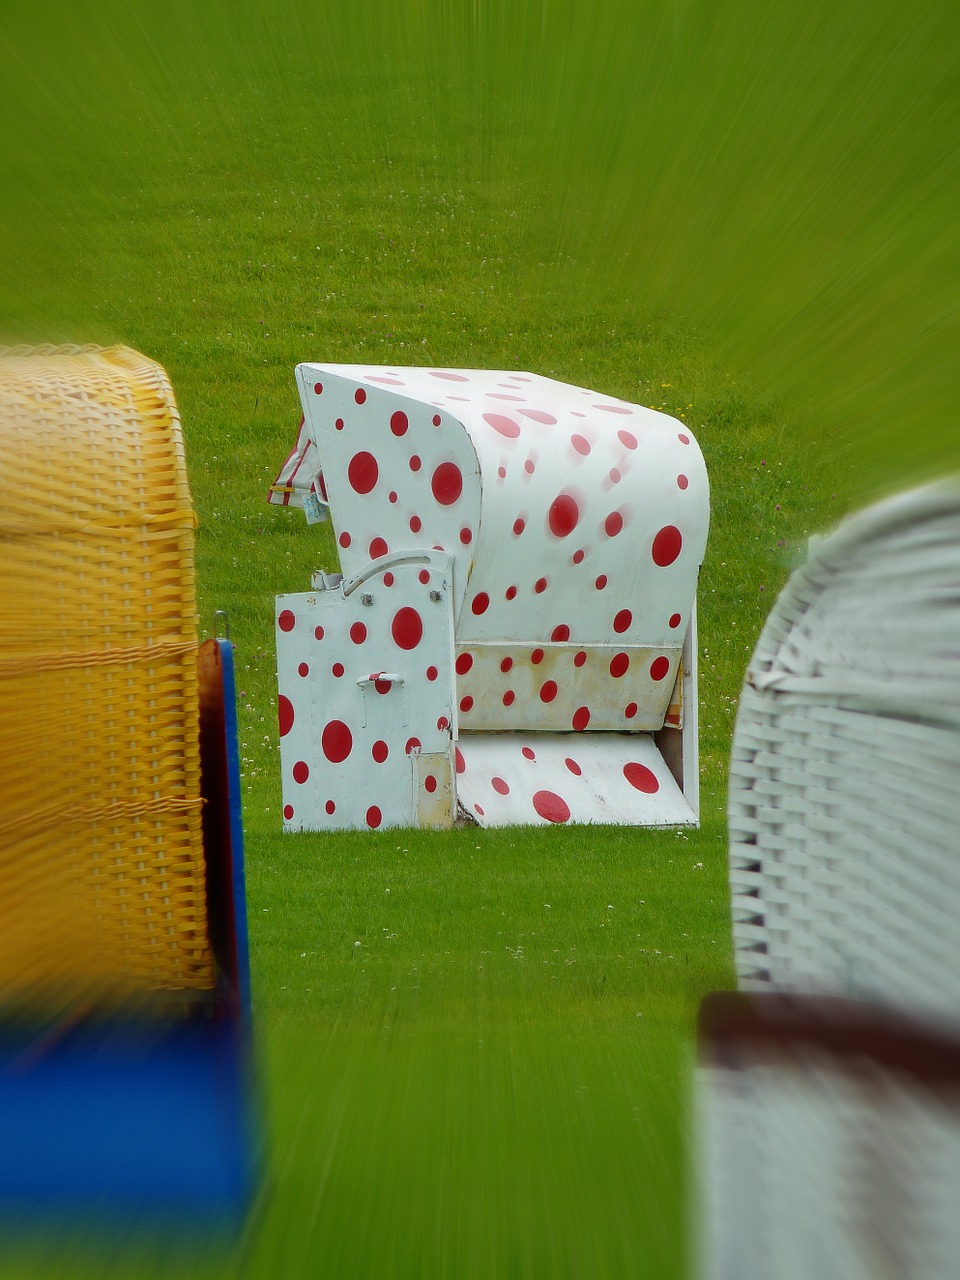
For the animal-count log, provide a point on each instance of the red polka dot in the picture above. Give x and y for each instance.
(399, 423)
(536, 657)
(413, 744)
(374, 816)
(466, 536)
(510, 593)
(551, 806)
(581, 718)
(423, 577)
(301, 771)
(579, 659)
(506, 426)
(318, 632)
(330, 807)
(548, 691)
(464, 663)
(509, 698)
(339, 424)
(573, 766)
(415, 463)
(383, 686)
(613, 524)
(619, 665)
(380, 751)
(659, 668)
(667, 545)
(622, 621)
(540, 586)
(560, 634)
(682, 438)
(430, 783)
(284, 715)
(447, 483)
(344, 539)
(407, 628)
(388, 579)
(675, 620)
(287, 620)
(288, 811)
(461, 764)
(336, 741)
(528, 753)
(318, 388)
(577, 557)
(615, 476)
(502, 472)
(393, 496)
(500, 786)
(682, 482)
(363, 472)
(432, 673)
(613, 408)
(448, 377)
(480, 603)
(478, 809)
(529, 466)
(443, 723)
(466, 704)
(416, 524)
(358, 633)
(538, 415)
(630, 710)
(581, 444)
(563, 516)
(337, 669)
(639, 776)
(506, 664)
(378, 548)
(436, 419)
(627, 439)
(519, 525)
(601, 582)
(303, 669)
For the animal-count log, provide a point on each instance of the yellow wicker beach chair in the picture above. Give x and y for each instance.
(116, 914)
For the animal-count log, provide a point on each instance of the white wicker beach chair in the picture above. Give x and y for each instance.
(829, 1087)
(845, 777)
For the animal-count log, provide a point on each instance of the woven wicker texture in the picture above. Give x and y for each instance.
(845, 778)
(102, 878)
(811, 1172)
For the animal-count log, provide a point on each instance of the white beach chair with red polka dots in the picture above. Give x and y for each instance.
(513, 636)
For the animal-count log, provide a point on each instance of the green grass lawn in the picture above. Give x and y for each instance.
(475, 1046)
